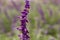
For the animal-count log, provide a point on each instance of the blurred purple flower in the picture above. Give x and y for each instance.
(23, 20)
(41, 12)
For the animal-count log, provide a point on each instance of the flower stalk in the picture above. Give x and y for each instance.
(23, 19)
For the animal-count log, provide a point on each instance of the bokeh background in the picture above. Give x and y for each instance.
(44, 19)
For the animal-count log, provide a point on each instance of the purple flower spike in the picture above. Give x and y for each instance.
(27, 4)
(42, 14)
(23, 20)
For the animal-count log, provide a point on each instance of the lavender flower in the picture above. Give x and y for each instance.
(42, 14)
(23, 19)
